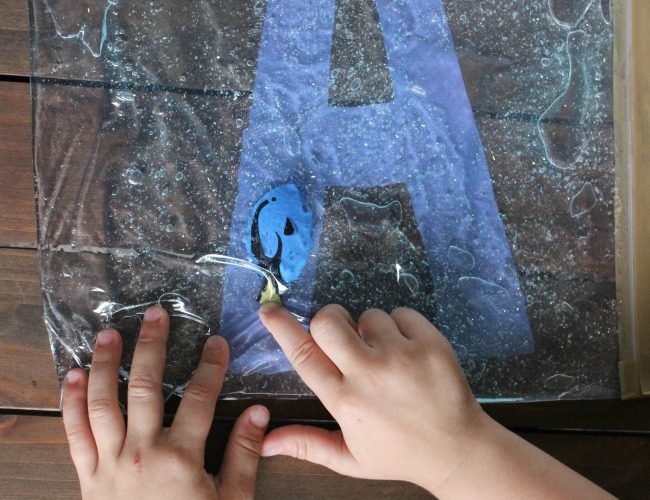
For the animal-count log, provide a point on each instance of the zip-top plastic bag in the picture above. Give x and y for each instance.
(212, 155)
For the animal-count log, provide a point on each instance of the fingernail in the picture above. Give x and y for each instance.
(152, 314)
(73, 377)
(269, 450)
(104, 338)
(260, 417)
(268, 307)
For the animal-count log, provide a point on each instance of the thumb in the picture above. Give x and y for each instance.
(239, 470)
(314, 445)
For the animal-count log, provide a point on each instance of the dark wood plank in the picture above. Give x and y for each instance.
(34, 462)
(634, 109)
(14, 37)
(285, 478)
(15, 15)
(17, 207)
(27, 376)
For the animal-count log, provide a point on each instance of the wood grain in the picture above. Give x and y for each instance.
(17, 207)
(34, 462)
(27, 376)
(15, 15)
(641, 180)
(633, 153)
(14, 37)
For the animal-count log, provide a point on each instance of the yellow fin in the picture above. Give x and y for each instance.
(269, 293)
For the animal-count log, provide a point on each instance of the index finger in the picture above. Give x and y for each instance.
(312, 364)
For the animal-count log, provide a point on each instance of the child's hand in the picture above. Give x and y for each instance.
(393, 384)
(143, 460)
(406, 412)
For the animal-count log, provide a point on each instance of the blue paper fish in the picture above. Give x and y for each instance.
(280, 240)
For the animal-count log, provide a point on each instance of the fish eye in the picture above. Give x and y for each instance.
(274, 199)
(289, 229)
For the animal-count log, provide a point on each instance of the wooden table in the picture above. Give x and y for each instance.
(608, 441)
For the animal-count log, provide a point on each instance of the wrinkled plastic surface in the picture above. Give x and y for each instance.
(201, 154)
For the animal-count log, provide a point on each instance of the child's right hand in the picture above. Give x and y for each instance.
(406, 411)
(393, 384)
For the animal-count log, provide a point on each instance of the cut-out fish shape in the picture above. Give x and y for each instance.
(280, 240)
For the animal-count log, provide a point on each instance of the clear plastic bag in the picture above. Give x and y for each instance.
(204, 154)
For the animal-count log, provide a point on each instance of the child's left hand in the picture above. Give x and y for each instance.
(143, 460)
